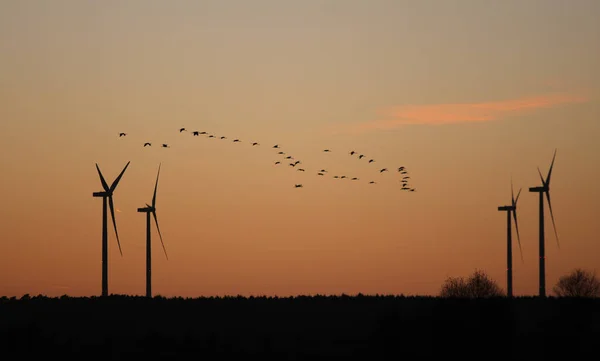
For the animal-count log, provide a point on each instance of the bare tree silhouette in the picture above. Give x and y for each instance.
(578, 283)
(477, 285)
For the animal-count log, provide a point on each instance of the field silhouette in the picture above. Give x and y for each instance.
(297, 328)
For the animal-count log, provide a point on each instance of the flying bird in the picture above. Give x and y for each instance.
(182, 130)
(147, 144)
(320, 173)
(298, 185)
(400, 169)
(223, 137)
(343, 176)
(371, 160)
(236, 140)
(278, 162)
(323, 170)
(383, 170)
(354, 178)
(292, 165)
(297, 162)
(361, 156)
(165, 146)
(122, 134)
(203, 133)
(405, 177)
(335, 176)
(196, 133)
(276, 146)
(280, 152)
(289, 157)
(301, 170)
(372, 182)
(352, 152)
(326, 150)
(255, 143)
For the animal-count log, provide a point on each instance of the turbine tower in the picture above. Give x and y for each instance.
(511, 209)
(544, 189)
(107, 194)
(151, 209)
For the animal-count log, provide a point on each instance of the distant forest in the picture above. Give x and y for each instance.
(297, 328)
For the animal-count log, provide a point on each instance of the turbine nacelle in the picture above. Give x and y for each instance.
(507, 208)
(540, 189)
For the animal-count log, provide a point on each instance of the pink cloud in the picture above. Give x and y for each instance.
(468, 112)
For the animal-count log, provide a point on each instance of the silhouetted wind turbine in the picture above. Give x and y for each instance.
(544, 189)
(107, 195)
(511, 209)
(151, 209)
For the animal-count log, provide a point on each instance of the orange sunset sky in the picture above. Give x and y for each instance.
(465, 94)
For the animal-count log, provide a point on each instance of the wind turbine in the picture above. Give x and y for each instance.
(511, 209)
(151, 209)
(107, 195)
(544, 189)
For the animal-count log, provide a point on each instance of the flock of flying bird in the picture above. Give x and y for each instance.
(294, 163)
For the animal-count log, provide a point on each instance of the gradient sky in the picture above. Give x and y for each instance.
(464, 94)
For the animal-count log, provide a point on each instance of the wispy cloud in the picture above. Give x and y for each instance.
(467, 112)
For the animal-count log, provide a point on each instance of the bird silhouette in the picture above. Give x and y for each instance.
(255, 143)
(181, 130)
(320, 173)
(298, 185)
(292, 164)
(223, 137)
(289, 157)
(372, 182)
(122, 134)
(297, 162)
(278, 162)
(383, 170)
(301, 169)
(203, 133)
(236, 140)
(354, 178)
(352, 152)
(400, 169)
(361, 156)
(196, 133)
(147, 144)
(403, 172)
(280, 152)
(326, 150)
(211, 136)
(323, 170)
(371, 160)
(276, 146)
(343, 176)
(165, 146)
(405, 177)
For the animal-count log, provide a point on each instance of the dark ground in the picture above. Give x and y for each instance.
(298, 328)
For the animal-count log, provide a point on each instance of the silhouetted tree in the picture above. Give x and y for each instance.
(478, 285)
(578, 283)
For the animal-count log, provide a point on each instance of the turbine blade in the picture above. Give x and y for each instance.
(104, 184)
(541, 177)
(114, 185)
(160, 235)
(550, 170)
(514, 212)
(512, 192)
(517, 199)
(155, 186)
(552, 216)
(112, 214)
